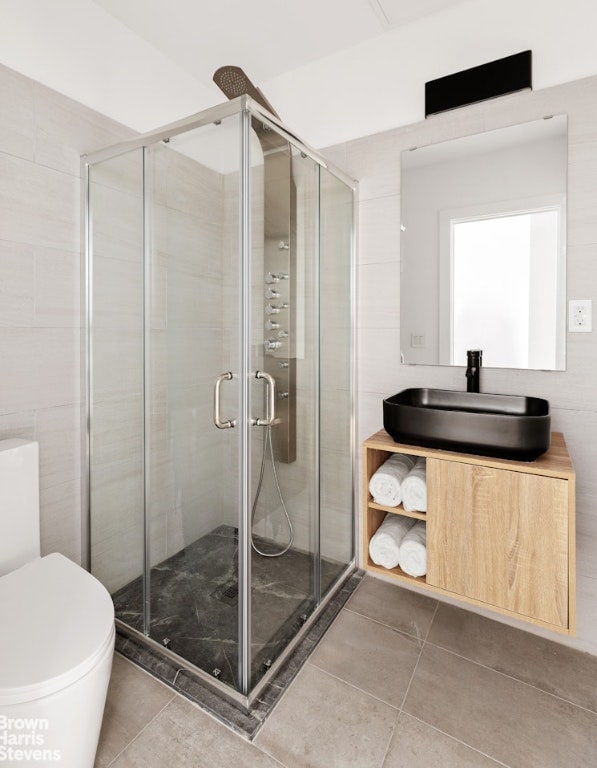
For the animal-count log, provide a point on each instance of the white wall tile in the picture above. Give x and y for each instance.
(118, 559)
(58, 431)
(586, 525)
(379, 295)
(116, 500)
(41, 368)
(117, 222)
(379, 230)
(41, 136)
(39, 286)
(586, 599)
(38, 205)
(581, 122)
(17, 284)
(117, 293)
(582, 193)
(61, 519)
(374, 162)
(117, 430)
(580, 260)
(65, 130)
(17, 124)
(122, 173)
(117, 363)
(579, 428)
(20, 424)
(370, 414)
(184, 185)
(379, 360)
(57, 288)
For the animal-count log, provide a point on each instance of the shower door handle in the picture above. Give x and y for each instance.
(270, 418)
(218, 421)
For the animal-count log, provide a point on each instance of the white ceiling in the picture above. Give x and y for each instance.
(266, 38)
(333, 69)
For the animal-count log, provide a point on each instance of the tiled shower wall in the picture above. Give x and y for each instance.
(42, 135)
(186, 226)
(322, 347)
(375, 162)
(187, 242)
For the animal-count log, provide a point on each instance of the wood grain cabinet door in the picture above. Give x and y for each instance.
(500, 537)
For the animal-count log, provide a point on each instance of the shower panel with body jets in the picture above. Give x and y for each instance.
(279, 302)
(220, 416)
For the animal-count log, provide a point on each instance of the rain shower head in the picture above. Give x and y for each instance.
(233, 82)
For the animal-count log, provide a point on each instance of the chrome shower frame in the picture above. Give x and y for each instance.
(248, 109)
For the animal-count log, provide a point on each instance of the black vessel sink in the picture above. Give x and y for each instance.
(504, 426)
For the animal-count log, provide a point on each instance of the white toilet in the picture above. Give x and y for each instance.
(56, 633)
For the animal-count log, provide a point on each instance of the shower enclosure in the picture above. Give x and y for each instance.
(219, 359)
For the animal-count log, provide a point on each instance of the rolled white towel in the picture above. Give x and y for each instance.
(412, 556)
(386, 484)
(384, 546)
(414, 488)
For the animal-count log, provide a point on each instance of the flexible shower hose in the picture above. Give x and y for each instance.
(268, 439)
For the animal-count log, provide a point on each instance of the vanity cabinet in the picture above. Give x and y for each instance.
(500, 533)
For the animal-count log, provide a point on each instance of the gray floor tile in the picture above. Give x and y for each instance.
(512, 722)
(550, 666)
(134, 698)
(322, 722)
(393, 605)
(417, 745)
(376, 658)
(182, 736)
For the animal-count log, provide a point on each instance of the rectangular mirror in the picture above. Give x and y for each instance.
(483, 248)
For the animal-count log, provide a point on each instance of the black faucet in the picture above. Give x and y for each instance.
(474, 360)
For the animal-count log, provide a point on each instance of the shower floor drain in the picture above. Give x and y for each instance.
(228, 593)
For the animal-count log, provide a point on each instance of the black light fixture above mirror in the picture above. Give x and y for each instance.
(487, 81)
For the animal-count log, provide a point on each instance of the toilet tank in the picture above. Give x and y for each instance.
(19, 503)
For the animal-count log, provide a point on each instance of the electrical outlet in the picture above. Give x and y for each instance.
(580, 313)
(417, 340)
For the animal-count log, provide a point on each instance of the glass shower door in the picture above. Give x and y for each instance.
(284, 396)
(115, 375)
(165, 340)
(193, 396)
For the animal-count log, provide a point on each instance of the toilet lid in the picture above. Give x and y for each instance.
(56, 621)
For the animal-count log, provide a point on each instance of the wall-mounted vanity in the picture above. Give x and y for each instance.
(500, 533)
